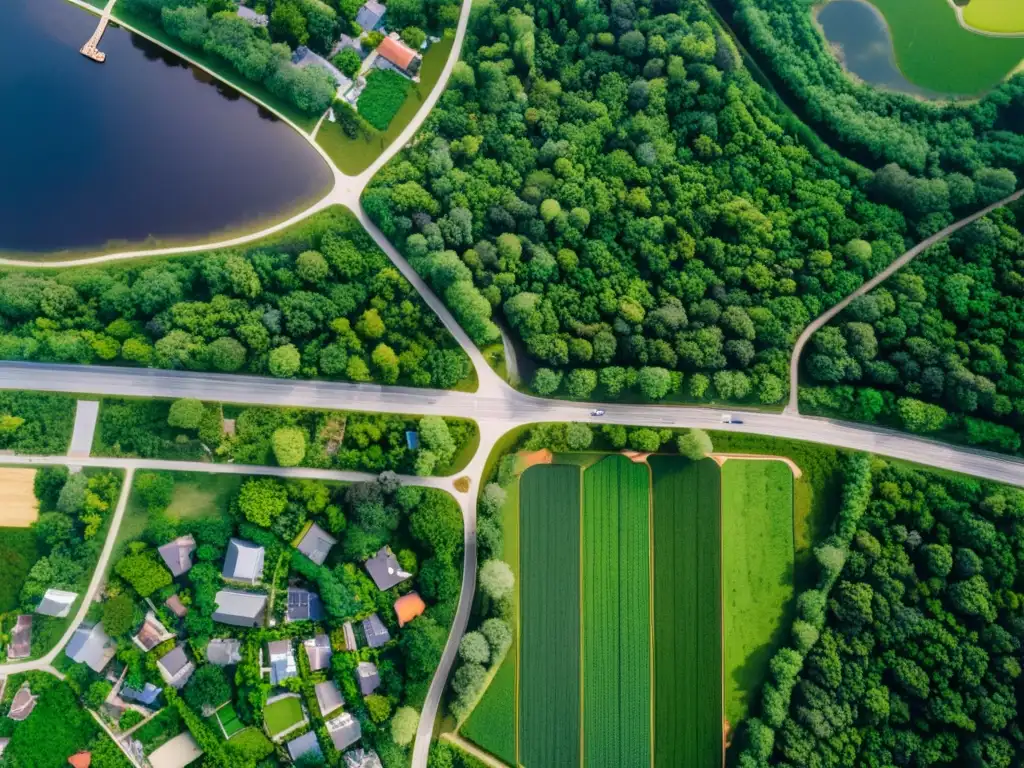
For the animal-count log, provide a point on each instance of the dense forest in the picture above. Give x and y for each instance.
(609, 181)
(323, 302)
(873, 126)
(908, 652)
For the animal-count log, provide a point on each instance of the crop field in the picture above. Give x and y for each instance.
(549, 662)
(687, 613)
(616, 614)
(757, 573)
(1005, 16)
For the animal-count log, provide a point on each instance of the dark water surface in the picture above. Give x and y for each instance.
(860, 31)
(135, 147)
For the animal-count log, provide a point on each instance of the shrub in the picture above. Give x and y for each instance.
(383, 96)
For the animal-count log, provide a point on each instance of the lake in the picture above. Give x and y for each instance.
(141, 146)
(860, 32)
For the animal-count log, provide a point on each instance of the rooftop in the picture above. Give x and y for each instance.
(178, 554)
(370, 14)
(344, 730)
(397, 52)
(147, 695)
(176, 606)
(318, 650)
(362, 758)
(376, 633)
(152, 633)
(328, 697)
(22, 704)
(175, 667)
(282, 661)
(243, 561)
(56, 602)
(366, 675)
(240, 609)
(20, 646)
(408, 607)
(302, 745)
(316, 544)
(224, 651)
(91, 646)
(385, 570)
(304, 605)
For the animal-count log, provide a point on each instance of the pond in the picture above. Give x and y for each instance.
(141, 146)
(860, 33)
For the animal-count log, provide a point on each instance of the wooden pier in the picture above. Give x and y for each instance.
(91, 48)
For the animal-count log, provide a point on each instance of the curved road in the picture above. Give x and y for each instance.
(870, 285)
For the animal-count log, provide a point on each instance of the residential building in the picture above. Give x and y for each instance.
(316, 544)
(152, 633)
(20, 646)
(22, 704)
(243, 562)
(224, 652)
(256, 19)
(318, 650)
(367, 677)
(240, 609)
(362, 758)
(303, 605)
(303, 57)
(175, 667)
(80, 760)
(148, 695)
(91, 646)
(178, 554)
(56, 602)
(344, 730)
(371, 15)
(175, 606)
(303, 745)
(385, 570)
(408, 607)
(282, 661)
(393, 54)
(350, 636)
(376, 633)
(328, 697)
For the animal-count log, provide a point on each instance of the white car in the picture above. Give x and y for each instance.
(597, 412)
(727, 418)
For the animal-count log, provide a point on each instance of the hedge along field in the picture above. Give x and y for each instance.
(616, 614)
(757, 574)
(687, 613)
(549, 662)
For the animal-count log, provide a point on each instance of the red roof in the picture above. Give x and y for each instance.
(80, 760)
(408, 607)
(397, 52)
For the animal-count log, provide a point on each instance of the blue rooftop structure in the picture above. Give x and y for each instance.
(412, 439)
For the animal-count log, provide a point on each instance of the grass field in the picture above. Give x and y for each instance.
(282, 714)
(159, 730)
(757, 573)
(229, 720)
(18, 553)
(687, 611)
(199, 495)
(935, 52)
(549, 674)
(616, 614)
(1006, 16)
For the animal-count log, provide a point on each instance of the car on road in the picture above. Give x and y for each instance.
(728, 418)
(597, 412)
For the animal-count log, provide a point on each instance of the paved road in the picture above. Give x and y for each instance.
(86, 413)
(820, 321)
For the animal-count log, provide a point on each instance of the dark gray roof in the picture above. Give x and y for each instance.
(243, 561)
(178, 554)
(240, 609)
(344, 730)
(299, 746)
(366, 675)
(304, 605)
(369, 16)
(147, 695)
(224, 651)
(316, 544)
(318, 650)
(385, 570)
(174, 661)
(56, 602)
(91, 646)
(376, 633)
(328, 696)
(362, 758)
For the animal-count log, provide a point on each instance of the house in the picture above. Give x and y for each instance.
(412, 440)
(23, 704)
(371, 15)
(80, 760)
(303, 605)
(344, 730)
(20, 646)
(316, 544)
(243, 562)
(175, 668)
(376, 633)
(282, 661)
(91, 646)
(408, 607)
(240, 609)
(328, 697)
(392, 53)
(318, 649)
(303, 745)
(350, 636)
(178, 554)
(152, 633)
(175, 606)
(303, 57)
(367, 677)
(356, 44)
(148, 695)
(362, 758)
(224, 652)
(256, 19)
(385, 570)
(56, 603)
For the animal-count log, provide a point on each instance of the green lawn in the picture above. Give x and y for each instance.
(757, 574)
(353, 156)
(229, 720)
(282, 714)
(687, 611)
(165, 726)
(549, 674)
(202, 495)
(18, 553)
(935, 52)
(616, 647)
(1006, 16)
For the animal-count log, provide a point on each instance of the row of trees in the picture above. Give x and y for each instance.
(36, 422)
(326, 302)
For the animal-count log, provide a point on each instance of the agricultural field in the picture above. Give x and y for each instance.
(1002, 16)
(757, 573)
(687, 612)
(616, 646)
